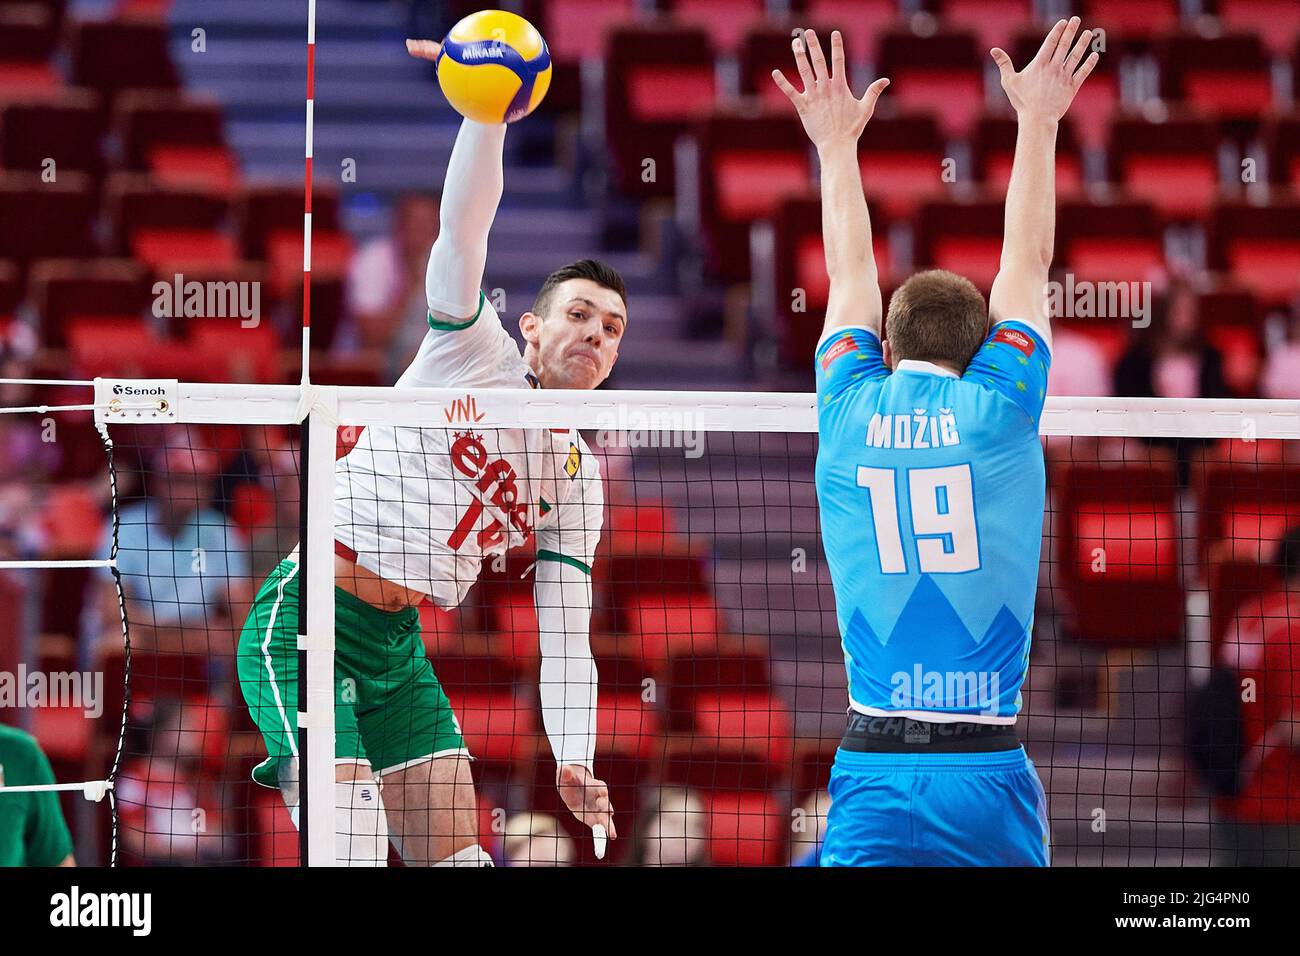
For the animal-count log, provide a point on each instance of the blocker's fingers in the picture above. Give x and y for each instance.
(873, 93)
(837, 56)
(1067, 38)
(785, 86)
(424, 49)
(1052, 39)
(599, 837)
(801, 61)
(815, 53)
(1082, 73)
(1080, 48)
(1005, 67)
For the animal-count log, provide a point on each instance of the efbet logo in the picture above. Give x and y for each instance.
(133, 391)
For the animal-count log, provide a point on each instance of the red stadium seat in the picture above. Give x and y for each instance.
(1260, 247)
(1284, 152)
(274, 838)
(1131, 17)
(992, 21)
(575, 32)
(725, 21)
(657, 80)
(138, 206)
(148, 119)
(67, 129)
(747, 828)
(1118, 241)
(207, 167)
(858, 20)
(660, 624)
(1234, 325)
(1247, 505)
(902, 163)
(1173, 165)
(122, 53)
(748, 164)
(965, 238)
(56, 217)
(993, 147)
(799, 262)
(62, 288)
(626, 725)
(1227, 75)
(1276, 22)
(1117, 553)
(696, 677)
(941, 74)
(28, 32)
(168, 249)
(263, 210)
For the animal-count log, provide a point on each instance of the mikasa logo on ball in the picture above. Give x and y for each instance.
(478, 52)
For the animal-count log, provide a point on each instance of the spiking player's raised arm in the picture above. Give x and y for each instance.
(834, 118)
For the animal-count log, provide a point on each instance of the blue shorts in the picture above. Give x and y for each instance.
(925, 809)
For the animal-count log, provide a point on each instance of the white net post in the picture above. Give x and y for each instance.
(316, 643)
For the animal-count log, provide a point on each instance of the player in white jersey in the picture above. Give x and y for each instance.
(418, 510)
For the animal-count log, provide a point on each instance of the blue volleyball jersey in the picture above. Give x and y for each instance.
(931, 491)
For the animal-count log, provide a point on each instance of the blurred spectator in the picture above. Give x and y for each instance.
(184, 567)
(1260, 824)
(674, 832)
(28, 452)
(806, 838)
(1079, 365)
(385, 298)
(1281, 375)
(32, 829)
(169, 809)
(535, 839)
(1171, 358)
(262, 493)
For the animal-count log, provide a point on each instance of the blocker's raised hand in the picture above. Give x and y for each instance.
(1046, 87)
(827, 107)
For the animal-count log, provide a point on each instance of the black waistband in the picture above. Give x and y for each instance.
(867, 734)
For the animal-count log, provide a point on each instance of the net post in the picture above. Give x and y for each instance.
(316, 643)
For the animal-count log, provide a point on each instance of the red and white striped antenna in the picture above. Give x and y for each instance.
(306, 192)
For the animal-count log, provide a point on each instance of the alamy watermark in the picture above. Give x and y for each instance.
(77, 689)
(650, 428)
(213, 299)
(952, 690)
(1083, 299)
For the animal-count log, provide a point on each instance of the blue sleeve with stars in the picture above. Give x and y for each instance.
(1014, 361)
(847, 356)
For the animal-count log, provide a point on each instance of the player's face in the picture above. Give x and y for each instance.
(576, 342)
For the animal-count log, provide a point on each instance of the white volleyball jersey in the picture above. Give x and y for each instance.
(423, 507)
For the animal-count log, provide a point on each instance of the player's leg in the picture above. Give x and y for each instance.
(433, 813)
(267, 663)
(411, 733)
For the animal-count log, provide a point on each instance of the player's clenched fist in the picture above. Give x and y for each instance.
(588, 799)
(829, 110)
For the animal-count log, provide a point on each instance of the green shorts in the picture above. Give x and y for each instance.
(389, 709)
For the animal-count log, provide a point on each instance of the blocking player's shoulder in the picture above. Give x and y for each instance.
(847, 356)
(1013, 361)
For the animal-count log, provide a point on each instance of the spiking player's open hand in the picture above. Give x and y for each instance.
(1046, 87)
(424, 49)
(588, 799)
(829, 110)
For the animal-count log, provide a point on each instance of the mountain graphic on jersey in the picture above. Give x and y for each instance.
(932, 661)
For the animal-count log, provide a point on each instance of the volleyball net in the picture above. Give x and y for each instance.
(720, 682)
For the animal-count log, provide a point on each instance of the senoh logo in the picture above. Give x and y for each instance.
(133, 391)
(1016, 339)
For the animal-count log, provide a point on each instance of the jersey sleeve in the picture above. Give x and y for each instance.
(462, 353)
(574, 535)
(1013, 361)
(845, 357)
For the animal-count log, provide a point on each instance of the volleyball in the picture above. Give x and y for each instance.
(494, 67)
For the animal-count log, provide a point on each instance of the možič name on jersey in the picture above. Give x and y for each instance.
(931, 488)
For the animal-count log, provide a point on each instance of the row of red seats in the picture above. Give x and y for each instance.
(661, 79)
(1255, 250)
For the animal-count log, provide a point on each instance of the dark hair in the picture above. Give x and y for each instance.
(937, 316)
(1287, 559)
(592, 269)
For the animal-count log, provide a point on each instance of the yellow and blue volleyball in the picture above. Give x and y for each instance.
(494, 67)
